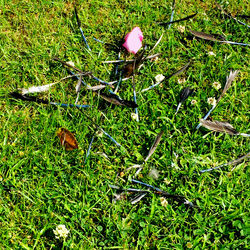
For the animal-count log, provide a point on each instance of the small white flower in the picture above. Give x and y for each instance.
(167, 181)
(193, 102)
(182, 80)
(99, 133)
(154, 174)
(164, 202)
(71, 63)
(211, 53)
(211, 100)
(134, 116)
(61, 232)
(159, 78)
(217, 85)
(181, 28)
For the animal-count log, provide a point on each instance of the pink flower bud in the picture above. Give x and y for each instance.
(133, 40)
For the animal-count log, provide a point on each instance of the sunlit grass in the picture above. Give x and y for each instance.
(42, 185)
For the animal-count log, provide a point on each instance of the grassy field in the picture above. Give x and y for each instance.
(43, 186)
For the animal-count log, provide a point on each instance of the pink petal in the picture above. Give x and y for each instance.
(133, 40)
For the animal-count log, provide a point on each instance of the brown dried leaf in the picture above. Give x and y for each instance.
(67, 139)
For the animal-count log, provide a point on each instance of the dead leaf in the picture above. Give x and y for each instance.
(67, 139)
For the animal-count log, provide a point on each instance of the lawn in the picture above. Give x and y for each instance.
(42, 185)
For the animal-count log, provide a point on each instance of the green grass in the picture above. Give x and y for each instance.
(42, 185)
